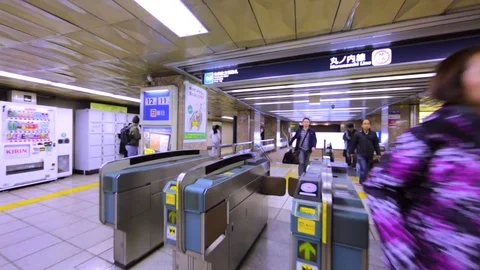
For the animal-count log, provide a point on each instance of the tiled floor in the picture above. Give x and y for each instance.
(64, 232)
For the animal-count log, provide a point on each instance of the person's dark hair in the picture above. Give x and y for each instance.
(350, 125)
(306, 118)
(136, 120)
(366, 119)
(447, 85)
(215, 129)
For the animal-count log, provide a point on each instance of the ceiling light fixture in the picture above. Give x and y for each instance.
(323, 109)
(66, 86)
(342, 82)
(227, 117)
(335, 93)
(175, 16)
(323, 100)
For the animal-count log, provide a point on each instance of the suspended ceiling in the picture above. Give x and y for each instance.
(112, 46)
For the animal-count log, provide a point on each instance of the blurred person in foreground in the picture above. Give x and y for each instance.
(425, 193)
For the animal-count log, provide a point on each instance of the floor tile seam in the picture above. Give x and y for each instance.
(80, 250)
(48, 196)
(61, 240)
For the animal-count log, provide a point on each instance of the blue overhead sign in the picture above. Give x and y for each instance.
(425, 51)
(156, 105)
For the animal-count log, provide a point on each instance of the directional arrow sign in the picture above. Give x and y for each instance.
(308, 250)
(172, 217)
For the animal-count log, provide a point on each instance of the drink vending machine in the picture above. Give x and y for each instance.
(30, 137)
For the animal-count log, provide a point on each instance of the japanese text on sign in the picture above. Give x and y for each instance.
(218, 76)
(348, 61)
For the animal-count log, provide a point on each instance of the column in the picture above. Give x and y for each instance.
(398, 121)
(243, 126)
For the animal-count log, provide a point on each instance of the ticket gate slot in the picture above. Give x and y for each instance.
(138, 226)
(222, 210)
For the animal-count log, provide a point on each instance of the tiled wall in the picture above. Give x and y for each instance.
(270, 125)
(243, 126)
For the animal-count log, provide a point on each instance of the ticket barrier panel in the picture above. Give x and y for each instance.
(221, 209)
(138, 226)
(329, 226)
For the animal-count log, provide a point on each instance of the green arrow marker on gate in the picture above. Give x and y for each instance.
(307, 248)
(172, 216)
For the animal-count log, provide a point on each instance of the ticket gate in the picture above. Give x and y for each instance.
(131, 199)
(215, 212)
(329, 224)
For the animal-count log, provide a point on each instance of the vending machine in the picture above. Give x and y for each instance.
(28, 144)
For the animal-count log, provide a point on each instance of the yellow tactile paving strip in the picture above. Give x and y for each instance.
(45, 197)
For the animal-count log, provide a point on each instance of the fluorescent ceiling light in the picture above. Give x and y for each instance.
(334, 93)
(175, 16)
(322, 100)
(227, 117)
(323, 109)
(66, 86)
(342, 82)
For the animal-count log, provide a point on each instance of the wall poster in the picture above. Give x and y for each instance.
(195, 129)
(156, 139)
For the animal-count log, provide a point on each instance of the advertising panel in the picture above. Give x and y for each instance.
(195, 129)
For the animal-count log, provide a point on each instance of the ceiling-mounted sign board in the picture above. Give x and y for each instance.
(348, 59)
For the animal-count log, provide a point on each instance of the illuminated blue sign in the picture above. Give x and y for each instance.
(208, 78)
(156, 105)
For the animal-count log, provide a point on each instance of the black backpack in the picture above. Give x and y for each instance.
(125, 135)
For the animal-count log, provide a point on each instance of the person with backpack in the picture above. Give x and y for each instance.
(130, 136)
(366, 144)
(306, 144)
(424, 195)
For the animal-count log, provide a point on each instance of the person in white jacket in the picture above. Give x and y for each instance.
(216, 137)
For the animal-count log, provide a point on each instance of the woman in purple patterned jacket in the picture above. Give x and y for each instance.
(425, 193)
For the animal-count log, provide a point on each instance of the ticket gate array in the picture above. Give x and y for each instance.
(329, 224)
(131, 199)
(215, 212)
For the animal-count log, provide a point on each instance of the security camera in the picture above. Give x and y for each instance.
(333, 106)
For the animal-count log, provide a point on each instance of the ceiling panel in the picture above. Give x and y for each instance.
(51, 76)
(343, 15)
(32, 58)
(146, 35)
(37, 16)
(121, 39)
(133, 8)
(237, 18)
(19, 64)
(375, 12)
(413, 9)
(107, 10)
(463, 4)
(81, 48)
(187, 46)
(11, 37)
(24, 26)
(276, 19)
(100, 44)
(216, 39)
(315, 17)
(54, 52)
(69, 12)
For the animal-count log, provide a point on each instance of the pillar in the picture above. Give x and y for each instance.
(243, 126)
(398, 121)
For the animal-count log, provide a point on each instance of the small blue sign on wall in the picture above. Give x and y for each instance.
(208, 78)
(156, 105)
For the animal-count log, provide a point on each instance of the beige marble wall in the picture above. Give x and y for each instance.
(270, 125)
(402, 125)
(243, 126)
(178, 81)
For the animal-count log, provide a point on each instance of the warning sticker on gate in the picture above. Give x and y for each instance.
(172, 233)
(170, 198)
(304, 266)
(306, 226)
